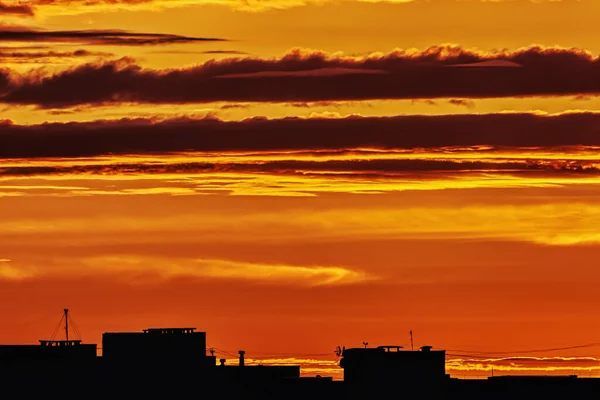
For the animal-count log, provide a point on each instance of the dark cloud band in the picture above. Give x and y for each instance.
(18, 54)
(440, 72)
(365, 169)
(97, 37)
(142, 136)
(16, 9)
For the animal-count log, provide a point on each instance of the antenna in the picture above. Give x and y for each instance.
(411, 341)
(365, 344)
(338, 351)
(67, 324)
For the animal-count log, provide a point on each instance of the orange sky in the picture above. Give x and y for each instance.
(293, 175)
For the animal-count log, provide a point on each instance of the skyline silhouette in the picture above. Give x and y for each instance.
(157, 362)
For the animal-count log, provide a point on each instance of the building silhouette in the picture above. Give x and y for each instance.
(375, 366)
(167, 363)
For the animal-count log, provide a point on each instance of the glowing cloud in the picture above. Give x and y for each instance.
(151, 269)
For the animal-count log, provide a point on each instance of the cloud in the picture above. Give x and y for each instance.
(89, 2)
(462, 102)
(82, 6)
(232, 52)
(223, 52)
(364, 168)
(523, 364)
(11, 272)
(490, 64)
(29, 55)
(54, 7)
(16, 9)
(234, 106)
(95, 37)
(305, 76)
(454, 366)
(143, 136)
(312, 72)
(156, 267)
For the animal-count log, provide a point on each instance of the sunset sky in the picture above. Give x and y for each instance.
(294, 175)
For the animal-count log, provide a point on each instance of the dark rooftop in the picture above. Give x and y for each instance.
(166, 331)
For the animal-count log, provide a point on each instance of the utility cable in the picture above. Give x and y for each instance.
(526, 351)
(57, 328)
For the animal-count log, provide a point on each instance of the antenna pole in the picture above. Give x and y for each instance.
(67, 323)
(411, 342)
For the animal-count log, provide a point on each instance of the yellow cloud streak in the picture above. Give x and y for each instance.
(153, 268)
(8, 271)
(73, 8)
(239, 111)
(551, 224)
(298, 184)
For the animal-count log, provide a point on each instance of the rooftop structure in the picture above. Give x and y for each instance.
(179, 345)
(51, 349)
(170, 331)
(393, 364)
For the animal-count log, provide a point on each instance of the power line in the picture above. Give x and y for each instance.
(526, 351)
(75, 327)
(222, 351)
(55, 332)
(259, 355)
(292, 354)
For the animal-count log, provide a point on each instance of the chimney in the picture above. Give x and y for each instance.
(426, 349)
(241, 352)
(222, 361)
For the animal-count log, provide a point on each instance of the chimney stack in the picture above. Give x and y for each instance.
(222, 361)
(241, 352)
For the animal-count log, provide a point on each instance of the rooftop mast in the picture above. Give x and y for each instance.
(67, 324)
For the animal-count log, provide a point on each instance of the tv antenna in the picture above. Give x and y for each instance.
(365, 344)
(66, 310)
(68, 323)
(411, 341)
(339, 351)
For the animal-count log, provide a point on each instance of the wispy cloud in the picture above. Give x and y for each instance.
(95, 37)
(152, 269)
(19, 54)
(53, 7)
(10, 271)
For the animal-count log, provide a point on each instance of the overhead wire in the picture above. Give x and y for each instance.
(221, 351)
(55, 332)
(473, 354)
(526, 351)
(76, 329)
